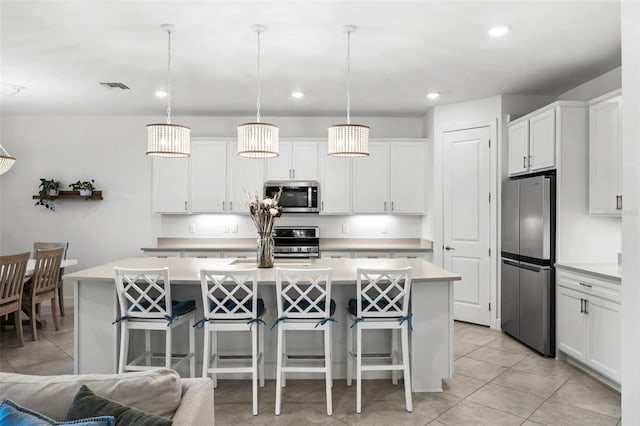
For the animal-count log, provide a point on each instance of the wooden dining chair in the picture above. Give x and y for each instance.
(38, 245)
(43, 286)
(12, 270)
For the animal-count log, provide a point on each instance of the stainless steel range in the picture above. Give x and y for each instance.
(296, 241)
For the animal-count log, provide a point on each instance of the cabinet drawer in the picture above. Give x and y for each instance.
(589, 284)
(163, 254)
(203, 254)
(335, 254)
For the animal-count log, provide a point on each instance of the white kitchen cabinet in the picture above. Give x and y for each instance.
(208, 176)
(605, 155)
(372, 254)
(391, 179)
(170, 177)
(244, 174)
(412, 255)
(298, 160)
(163, 254)
(532, 141)
(588, 321)
(335, 183)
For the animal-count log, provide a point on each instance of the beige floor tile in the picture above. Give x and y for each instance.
(537, 364)
(477, 369)
(469, 336)
(462, 348)
(5, 366)
(585, 392)
(36, 357)
(496, 356)
(509, 344)
(49, 368)
(467, 413)
(462, 386)
(558, 413)
(384, 413)
(510, 401)
(436, 423)
(531, 423)
(433, 404)
(459, 325)
(530, 383)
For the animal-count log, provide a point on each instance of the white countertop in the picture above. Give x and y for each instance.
(612, 271)
(187, 270)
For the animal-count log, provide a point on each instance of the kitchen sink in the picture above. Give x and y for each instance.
(283, 262)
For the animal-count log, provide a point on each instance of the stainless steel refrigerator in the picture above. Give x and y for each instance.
(528, 256)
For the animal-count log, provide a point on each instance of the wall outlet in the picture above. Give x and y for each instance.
(192, 228)
(345, 228)
(234, 228)
(385, 229)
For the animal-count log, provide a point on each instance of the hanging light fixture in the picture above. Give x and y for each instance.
(258, 140)
(348, 140)
(168, 140)
(6, 161)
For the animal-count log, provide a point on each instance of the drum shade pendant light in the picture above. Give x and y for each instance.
(6, 161)
(348, 140)
(258, 140)
(168, 140)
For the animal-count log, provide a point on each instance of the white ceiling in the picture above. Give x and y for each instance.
(60, 50)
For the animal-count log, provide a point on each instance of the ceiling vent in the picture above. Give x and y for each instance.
(116, 85)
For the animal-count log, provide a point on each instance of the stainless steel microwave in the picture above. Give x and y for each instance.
(297, 196)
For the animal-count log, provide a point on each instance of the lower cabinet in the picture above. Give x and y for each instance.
(163, 254)
(588, 322)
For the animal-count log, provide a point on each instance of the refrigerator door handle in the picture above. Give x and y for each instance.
(510, 262)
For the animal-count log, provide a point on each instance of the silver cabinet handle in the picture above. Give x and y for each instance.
(586, 285)
(322, 205)
(185, 206)
(529, 162)
(447, 248)
(230, 205)
(223, 205)
(586, 306)
(618, 202)
(524, 161)
(289, 173)
(294, 173)
(392, 206)
(582, 306)
(385, 206)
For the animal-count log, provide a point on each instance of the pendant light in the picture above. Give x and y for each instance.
(348, 140)
(6, 161)
(258, 140)
(168, 140)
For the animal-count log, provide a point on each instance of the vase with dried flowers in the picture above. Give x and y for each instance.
(263, 213)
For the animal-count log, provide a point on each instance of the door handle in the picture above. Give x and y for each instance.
(618, 202)
(447, 248)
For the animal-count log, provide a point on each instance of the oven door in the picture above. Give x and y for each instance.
(296, 197)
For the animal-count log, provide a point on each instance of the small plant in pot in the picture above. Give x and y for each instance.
(85, 188)
(48, 190)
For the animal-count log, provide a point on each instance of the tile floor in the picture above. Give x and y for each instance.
(497, 382)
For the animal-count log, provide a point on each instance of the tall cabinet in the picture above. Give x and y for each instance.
(605, 155)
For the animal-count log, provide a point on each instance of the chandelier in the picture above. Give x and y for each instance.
(348, 140)
(6, 161)
(168, 140)
(258, 140)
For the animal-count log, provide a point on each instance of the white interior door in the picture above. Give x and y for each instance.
(467, 223)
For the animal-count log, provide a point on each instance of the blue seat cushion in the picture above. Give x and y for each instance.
(352, 306)
(178, 307)
(230, 304)
(304, 304)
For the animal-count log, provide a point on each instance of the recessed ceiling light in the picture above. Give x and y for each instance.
(433, 95)
(297, 95)
(161, 94)
(499, 31)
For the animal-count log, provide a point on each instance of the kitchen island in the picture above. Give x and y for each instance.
(432, 352)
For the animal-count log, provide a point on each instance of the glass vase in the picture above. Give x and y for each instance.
(265, 250)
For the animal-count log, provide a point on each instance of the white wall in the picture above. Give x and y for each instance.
(600, 85)
(630, 13)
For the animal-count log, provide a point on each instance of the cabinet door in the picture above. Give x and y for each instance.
(280, 168)
(603, 336)
(407, 176)
(170, 181)
(542, 140)
(518, 148)
(605, 157)
(571, 323)
(370, 180)
(335, 183)
(245, 174)
(208, 176)
(304, 164)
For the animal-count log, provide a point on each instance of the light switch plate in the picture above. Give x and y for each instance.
(345, 228)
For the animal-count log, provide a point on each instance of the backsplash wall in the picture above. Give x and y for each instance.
(241, 226)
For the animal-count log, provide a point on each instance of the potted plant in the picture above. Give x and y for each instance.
(49, 187)
(85, 188)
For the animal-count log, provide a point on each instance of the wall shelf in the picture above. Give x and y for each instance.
(70, 195)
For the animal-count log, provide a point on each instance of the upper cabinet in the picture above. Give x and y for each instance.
(605, 155)
(244, 174)
(298, 160)
(335, 183)
(391, 179)
(532, 142)
(208, 173)
(170, 185)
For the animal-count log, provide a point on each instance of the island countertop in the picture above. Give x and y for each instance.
(326, 244)
(187, 270)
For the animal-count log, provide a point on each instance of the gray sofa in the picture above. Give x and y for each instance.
(161, 391)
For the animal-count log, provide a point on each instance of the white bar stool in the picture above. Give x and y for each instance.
(145, 302)
(304, 303)
(231, 303)
(382, 303)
